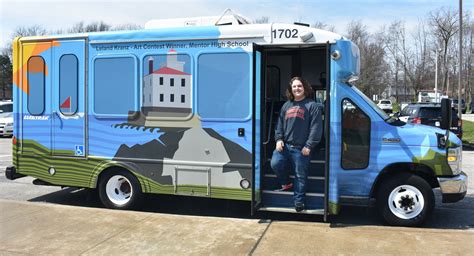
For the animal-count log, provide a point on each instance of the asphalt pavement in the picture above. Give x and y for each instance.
(39, 220)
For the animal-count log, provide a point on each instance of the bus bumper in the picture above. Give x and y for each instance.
(453, 188)
(11, 174)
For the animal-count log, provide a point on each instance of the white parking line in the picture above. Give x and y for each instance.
(5, 155)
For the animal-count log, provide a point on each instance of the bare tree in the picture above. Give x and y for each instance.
(444, 23)
(81, 27)
(372, 64)
(421, 56)
(34, 30)
(262, 20)
(128, 26)
(324, 26)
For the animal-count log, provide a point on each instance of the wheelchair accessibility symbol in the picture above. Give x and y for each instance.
(79, 150)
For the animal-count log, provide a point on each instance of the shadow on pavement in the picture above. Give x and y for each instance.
(445, 216)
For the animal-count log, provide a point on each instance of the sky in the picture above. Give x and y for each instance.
(55, 14)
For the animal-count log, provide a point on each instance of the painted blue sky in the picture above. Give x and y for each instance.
(55, 14)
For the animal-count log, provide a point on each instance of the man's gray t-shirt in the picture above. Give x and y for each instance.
(300, 123)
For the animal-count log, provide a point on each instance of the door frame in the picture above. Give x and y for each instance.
(327, 114)
(82, 89)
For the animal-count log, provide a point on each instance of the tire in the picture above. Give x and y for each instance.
(119, 189)
(405, 200)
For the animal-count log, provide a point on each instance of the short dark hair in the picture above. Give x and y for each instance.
(308, 91)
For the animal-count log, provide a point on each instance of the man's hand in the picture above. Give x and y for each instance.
(280, 145)
(305, 151)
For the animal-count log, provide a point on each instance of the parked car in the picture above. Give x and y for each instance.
(6, 118)
(385, 105)
(429, 114)
(454, 104)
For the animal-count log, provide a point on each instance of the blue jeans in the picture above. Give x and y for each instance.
(292, 158)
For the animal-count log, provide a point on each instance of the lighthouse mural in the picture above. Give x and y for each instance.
(167, 85)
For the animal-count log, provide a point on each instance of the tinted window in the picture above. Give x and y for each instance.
(355, 136)
(36, 73)
(430, 113)
(68, 84)
(409, 111)
(224, 86)
(114, 86)
(406, 111)
(385, 102)
(6, 108)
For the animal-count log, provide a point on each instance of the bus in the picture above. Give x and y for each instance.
(189, 107)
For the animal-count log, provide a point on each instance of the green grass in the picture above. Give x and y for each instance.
(468, 132)
(395, 107)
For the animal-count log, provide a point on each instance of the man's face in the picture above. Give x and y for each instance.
(297, 89)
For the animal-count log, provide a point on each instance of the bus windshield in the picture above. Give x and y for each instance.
(379, 111)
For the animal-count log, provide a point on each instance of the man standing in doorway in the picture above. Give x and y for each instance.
(298, 131)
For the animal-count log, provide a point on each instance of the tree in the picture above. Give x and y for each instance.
(127, 26)
(5, 76)
(96, 26)
(262, 20)
(34, 30)
(444, 23)
(324, 26)
(6, 68)
(372, 63)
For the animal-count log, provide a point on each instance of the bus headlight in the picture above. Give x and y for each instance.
(455, 160)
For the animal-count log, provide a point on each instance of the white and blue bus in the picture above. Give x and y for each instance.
(188, 108)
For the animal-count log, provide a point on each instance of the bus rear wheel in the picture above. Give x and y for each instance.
(405, 200)
(118, 189)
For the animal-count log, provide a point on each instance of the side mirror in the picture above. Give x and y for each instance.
(446, 114)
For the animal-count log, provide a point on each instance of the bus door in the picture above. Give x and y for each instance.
(68, 101)
(257, 115)
(35, 88)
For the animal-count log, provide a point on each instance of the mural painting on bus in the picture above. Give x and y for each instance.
(167, 104)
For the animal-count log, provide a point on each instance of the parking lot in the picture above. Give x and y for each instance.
(51, 220)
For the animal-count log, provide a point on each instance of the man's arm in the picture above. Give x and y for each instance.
(316, 127)
(279, 133)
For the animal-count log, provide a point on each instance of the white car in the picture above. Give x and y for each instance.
(6, 118)
(385, 105)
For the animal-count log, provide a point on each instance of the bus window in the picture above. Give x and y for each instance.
(68, 84)
(355, 137)
(114, 86)
(36, 71)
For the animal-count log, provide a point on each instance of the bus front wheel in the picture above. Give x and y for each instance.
(118, 189)
(405, 200)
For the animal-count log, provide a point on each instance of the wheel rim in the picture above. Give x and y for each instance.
(119, 189)
(406, 202)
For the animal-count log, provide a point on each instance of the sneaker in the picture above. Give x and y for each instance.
(285, 187)
(299, 207)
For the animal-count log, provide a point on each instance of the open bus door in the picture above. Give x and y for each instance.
(257, 114)
(272, 66)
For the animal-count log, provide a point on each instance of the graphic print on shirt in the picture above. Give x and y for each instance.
(295, 112)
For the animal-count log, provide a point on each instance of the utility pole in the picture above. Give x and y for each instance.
(436, 75)
(460, 61)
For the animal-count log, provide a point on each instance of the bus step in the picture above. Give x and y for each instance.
(292, 210)
(313, 185)
(272, 198)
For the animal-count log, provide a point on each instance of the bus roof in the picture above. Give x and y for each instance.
(273, 33)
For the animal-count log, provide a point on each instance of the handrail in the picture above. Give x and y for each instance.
(270, 126)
